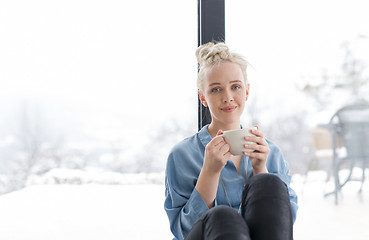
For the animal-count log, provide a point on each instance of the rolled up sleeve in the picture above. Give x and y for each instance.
(183, 204)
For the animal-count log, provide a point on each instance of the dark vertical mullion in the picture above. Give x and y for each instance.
(211, 28)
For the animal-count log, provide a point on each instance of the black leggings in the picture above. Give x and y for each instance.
(265, 214)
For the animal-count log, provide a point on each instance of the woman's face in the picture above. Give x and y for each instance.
(225, 93)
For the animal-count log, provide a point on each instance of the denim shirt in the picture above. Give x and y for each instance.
(184, 205)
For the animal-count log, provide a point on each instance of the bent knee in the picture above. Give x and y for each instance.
(267, 180)
(223, 222)
(221, 212)
(263, 185)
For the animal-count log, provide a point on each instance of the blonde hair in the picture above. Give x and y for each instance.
(211, 54)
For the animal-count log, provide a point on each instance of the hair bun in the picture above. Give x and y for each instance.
(211, 53)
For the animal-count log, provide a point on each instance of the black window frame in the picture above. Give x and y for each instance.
(211, 28)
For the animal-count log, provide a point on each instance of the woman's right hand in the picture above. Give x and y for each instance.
(216, 154)
(216, 157)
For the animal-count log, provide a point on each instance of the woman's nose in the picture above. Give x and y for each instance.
(227, 98)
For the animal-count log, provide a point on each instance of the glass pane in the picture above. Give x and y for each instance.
(96, 76)
(93, 92)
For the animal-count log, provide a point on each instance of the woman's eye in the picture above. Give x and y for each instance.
(236, 87)
(215, 90)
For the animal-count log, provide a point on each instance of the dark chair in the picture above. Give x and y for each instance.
(351, 124)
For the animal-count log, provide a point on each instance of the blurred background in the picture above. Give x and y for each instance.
(97, 92)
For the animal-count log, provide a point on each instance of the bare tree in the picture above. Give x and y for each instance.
(36, 150)
(291, 134)
(154, 154)
(351, 84)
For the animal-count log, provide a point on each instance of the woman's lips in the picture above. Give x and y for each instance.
(228, 109)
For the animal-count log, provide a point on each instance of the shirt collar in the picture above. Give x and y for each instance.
(204, 135)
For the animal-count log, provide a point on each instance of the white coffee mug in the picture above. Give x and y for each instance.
(236, 140)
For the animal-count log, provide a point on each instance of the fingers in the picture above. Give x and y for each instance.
(218, 140)
(219, 144)
(261, 145)
(257, 132)
(216, 154)
(220, 132)
(257, 140)
(224, 149)
(261, 151)
(256, 147)
(256, 155)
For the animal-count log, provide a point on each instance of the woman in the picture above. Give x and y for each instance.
(211, 194)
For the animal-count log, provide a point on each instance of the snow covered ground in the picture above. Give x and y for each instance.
(96, 211)
(320, 219)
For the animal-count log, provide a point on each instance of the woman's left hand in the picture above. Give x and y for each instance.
(261, 151)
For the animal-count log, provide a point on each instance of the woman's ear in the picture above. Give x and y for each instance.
(247, 90)
(202, 99)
